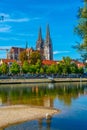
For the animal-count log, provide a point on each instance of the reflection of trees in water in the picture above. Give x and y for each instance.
(42, 95)
(2, 128)
(48, 123)
(40, 124)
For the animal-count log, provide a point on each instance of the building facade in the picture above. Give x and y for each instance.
(14, 53)
(42, 46)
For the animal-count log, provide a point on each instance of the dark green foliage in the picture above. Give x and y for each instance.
(32, 69)
(81, 31)
(34, 57)
(81, 70)
(25, 67)
(0, 70)
(4, 68)
(15, 68)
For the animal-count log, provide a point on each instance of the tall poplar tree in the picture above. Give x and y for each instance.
(81, 31)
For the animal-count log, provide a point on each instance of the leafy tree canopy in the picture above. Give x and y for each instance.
(15, 68)
(4, 68)
(81, 31)
(25, 67)
(23, 56)
(34, 57)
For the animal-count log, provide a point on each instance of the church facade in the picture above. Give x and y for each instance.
(45, 46)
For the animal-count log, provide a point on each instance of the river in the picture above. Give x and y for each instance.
(70, 98)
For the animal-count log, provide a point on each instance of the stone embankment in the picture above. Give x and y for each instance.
(43, 80)
(16, 114)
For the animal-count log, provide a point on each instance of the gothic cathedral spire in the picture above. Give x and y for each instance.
(39, 42)
(48, 50)
(40, 34)
(48, 34)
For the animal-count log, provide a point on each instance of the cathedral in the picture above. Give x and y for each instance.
(45, 46)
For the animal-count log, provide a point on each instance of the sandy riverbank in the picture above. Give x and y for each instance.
(43, 80)
(17, 114)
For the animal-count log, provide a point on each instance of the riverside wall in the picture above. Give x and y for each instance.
(43, 80)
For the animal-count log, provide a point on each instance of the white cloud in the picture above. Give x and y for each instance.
(60, 52)
(5, 29)
(9, 38)
(5, 47)
(16, 20)
(7, 18)
(4, 15)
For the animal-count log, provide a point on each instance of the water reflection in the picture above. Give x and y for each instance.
(47, 123)
(41, 94)
(72, 95)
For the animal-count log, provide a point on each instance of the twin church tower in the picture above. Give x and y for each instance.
(45, 46)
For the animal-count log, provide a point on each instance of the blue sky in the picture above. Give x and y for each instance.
(22, 19)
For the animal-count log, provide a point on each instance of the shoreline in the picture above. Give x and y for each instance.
(43, 80)
(15, 114)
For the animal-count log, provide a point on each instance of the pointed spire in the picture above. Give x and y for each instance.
(40, 34)
(48, 51)
(47, 33)
(39, 42)
(26, 44)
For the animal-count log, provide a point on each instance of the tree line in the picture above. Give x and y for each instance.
(65, 66)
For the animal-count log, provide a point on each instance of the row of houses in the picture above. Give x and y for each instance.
(44, 62)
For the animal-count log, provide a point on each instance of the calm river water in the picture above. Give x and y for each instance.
(70, 98)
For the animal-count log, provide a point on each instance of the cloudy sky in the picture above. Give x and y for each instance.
(22, 19)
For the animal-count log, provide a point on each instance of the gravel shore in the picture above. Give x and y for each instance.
(20, 113)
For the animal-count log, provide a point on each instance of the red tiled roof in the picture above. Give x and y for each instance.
(48, 62)
(8, 60)
(78, 63)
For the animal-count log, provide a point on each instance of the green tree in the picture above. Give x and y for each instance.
(15, 68)
(53, 69)
(32, 69)
(38, 65)
(48, 70)
(34, 57)
(81, 70)
(81, 30)
(41, 70)
(0, 70)
(23, 56)
(4, 68)
(60, 68)
(66, 62)
(45, 67)
(25, 67)
(74, 68)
